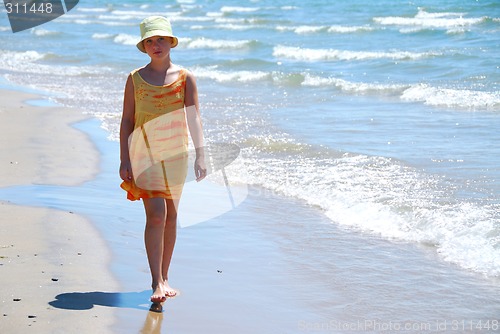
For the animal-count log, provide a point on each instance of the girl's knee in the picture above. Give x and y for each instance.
(155, 220)
(171, 218)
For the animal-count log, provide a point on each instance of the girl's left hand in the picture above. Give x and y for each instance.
(200, 170)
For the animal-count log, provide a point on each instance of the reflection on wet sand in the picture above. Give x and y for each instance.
(154, 319)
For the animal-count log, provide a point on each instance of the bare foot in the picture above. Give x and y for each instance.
(169, 291)
(159, 293)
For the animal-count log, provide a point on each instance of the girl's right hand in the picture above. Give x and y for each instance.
(126, 171)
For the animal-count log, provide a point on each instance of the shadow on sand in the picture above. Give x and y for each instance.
(135, 300)
(87, 300)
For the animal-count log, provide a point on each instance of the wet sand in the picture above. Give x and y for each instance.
(270, 265)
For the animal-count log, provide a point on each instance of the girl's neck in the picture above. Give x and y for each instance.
(160, 66)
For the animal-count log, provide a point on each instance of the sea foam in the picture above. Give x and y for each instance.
(378, 195)
(463, 98)
(307, 54)
(425, 20)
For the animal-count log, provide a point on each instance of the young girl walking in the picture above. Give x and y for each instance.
(160, 104)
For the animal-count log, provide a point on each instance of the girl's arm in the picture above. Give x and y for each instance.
(194, 124)
(126, 128)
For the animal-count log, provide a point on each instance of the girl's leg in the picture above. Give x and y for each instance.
(169, 237)
(156, 213)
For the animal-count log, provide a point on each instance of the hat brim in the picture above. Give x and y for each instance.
(152, 33)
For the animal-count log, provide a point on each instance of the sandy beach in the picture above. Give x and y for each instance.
(44, 252)
(72, 258)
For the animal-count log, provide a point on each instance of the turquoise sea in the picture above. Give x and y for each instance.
(381, 116)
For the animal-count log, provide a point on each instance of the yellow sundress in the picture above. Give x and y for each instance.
(158, 146)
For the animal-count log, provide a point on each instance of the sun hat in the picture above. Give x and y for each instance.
(156, 26)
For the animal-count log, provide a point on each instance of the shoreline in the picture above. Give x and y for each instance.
(46, 253)
(271, 265)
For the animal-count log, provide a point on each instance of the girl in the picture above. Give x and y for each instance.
(160, 104)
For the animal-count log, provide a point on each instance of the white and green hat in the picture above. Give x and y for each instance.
(156, 26)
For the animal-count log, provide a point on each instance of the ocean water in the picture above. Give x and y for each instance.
(384, 116)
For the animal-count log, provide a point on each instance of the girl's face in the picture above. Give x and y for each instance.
(157, 46)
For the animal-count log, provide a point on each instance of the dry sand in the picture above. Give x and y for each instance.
(45, 253)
